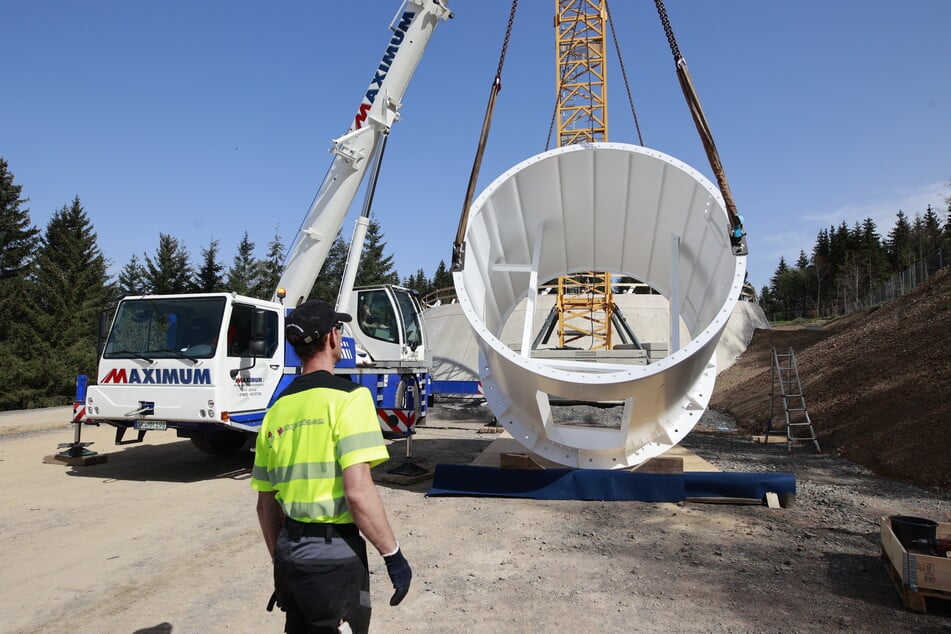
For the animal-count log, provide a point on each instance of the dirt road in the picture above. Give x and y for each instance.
(161, 538)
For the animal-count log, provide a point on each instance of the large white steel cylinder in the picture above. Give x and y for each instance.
(612, 207)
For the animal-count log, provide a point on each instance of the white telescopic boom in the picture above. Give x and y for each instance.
(412, 29)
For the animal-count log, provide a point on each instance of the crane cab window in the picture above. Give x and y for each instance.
(410, 311)
(163, 328)
(376, 316)
(239, 331)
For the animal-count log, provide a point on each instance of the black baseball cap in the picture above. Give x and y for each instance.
(312, 320)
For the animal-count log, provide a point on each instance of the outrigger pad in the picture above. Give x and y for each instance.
(606, 485)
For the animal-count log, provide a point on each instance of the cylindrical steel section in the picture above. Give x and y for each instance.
(612, 207)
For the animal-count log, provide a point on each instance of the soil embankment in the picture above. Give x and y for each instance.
(877, 384)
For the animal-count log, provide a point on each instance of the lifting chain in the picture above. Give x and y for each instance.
(627, 84)
(668, 30)
(459, 247)
(505, 41)
(736, 230)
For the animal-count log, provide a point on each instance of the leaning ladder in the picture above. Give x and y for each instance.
(787, 387)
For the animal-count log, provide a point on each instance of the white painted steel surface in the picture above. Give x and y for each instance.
(610, 207)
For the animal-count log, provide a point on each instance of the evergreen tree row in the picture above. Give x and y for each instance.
(55, 284)
(847, 263)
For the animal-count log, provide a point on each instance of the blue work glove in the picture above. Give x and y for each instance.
(400, 574)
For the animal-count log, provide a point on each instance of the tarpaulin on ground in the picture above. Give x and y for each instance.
(712, 484)
(557, 484)
(607, 485)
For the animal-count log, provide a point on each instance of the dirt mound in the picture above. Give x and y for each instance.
(877, 384)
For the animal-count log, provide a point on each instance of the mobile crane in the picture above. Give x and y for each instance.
(209, 365)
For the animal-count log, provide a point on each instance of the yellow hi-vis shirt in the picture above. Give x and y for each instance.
(319, 425)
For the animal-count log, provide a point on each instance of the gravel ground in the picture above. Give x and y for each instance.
(813, 567)
(160, 538)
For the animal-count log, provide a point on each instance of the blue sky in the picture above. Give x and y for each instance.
(207, 119)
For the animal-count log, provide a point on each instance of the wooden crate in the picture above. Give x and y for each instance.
(916, 576)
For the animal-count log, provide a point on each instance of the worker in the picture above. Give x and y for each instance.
(316, 496)
(368, 322)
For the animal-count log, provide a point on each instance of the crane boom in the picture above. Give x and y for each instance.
(412, 29)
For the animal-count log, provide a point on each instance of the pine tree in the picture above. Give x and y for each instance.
(327, 284)
(947, 224)
(864, 263)
(170, 271)
(798, 285)
(784, 290)
(442, 279)
(766, 301)
(243, 268)
(269, 269)
(802, 261)
(873, 251)
(17, 249)
(70, 289)
(418, 282)
(17, 253)
(822, 261)
(132, 278)
(209, 278)
(838, 247)
(946, 233)
(375, 267)
(931, 230)
(899, 243)
(917, 238)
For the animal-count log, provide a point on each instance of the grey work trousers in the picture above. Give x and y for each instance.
(320, 580)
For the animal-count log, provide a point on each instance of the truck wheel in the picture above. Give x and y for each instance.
(221, 443)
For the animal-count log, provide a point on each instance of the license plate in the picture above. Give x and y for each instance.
(153, 425)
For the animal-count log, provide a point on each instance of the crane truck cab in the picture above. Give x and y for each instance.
(205, 365)
(210, 365)
(388, 324)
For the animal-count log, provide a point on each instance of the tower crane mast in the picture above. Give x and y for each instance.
(585, 305)
(580, 64)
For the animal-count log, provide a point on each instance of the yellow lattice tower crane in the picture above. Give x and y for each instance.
(581, 71)
(585, 302)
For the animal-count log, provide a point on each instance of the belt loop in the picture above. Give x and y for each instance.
(328, 533)
(294, 530)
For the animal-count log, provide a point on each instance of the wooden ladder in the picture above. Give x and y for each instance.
(786, 386)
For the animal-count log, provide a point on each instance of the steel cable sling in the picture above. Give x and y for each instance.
(459, 247)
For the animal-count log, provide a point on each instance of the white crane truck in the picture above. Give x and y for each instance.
(209, 365)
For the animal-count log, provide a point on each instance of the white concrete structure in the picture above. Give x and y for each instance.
(609, 207)
(455, 348)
